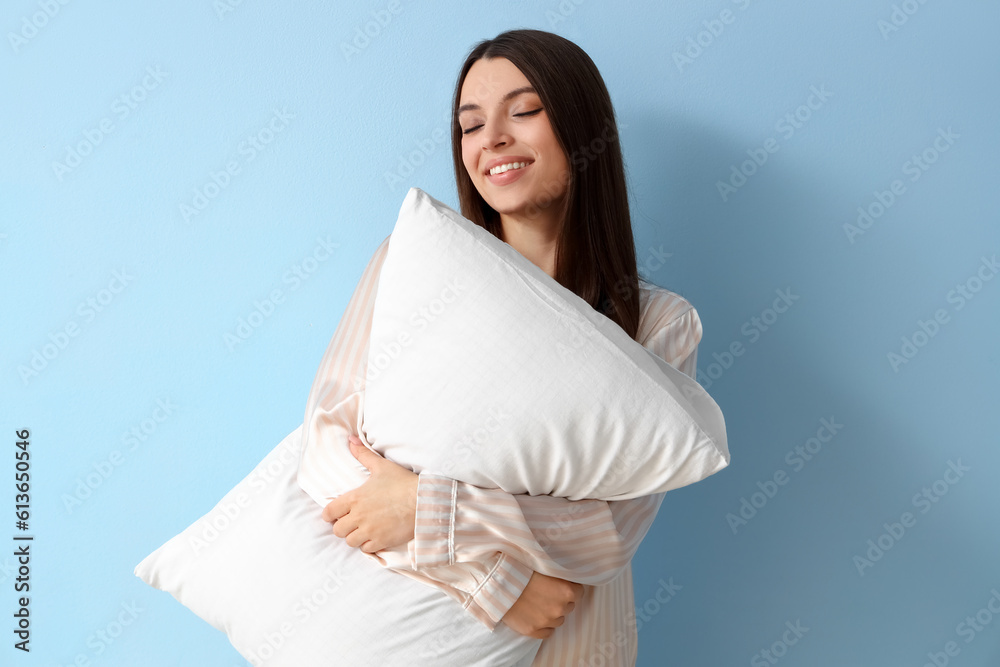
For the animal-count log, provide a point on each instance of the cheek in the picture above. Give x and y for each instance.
(547, 141)
(469, 160)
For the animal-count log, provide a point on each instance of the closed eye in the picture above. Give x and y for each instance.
(526, 113)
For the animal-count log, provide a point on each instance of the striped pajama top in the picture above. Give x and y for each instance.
(500, 538)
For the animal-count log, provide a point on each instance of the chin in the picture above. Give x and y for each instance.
(509, 205)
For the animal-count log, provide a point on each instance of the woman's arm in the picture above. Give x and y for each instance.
(587, 541)
(334, 400)
(493, 578)
(332, 415)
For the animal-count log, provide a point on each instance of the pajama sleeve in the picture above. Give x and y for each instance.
(332, 411)
(342, 367)
(588, 541)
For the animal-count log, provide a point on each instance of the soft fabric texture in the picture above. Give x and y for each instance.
(322, 602)
(483, 367)
(263, 567)
(466, 528)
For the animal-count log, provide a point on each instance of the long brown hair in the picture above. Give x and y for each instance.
(595, 253)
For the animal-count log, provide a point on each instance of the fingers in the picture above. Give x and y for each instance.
(348, 528)
(356, 539)
(541, 633)
(334, 509)
(344, 526)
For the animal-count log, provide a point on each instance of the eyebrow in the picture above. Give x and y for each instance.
(511, 94)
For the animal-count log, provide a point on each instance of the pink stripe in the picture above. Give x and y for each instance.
(588, 539)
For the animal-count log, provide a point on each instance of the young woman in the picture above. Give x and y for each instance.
(538, 164)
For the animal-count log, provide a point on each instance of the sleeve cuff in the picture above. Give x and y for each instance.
(502, 588)
(433, 542)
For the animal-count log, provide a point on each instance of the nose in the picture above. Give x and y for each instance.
(494, 134)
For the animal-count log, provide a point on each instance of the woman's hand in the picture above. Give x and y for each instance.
(380, 513)
(543, 606)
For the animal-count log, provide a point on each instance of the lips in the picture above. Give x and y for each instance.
(509, 176)
(506, 159)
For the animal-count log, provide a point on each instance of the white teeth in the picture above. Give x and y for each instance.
(506, 167)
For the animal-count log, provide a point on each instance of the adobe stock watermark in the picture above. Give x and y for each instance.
(35, 22)
(923, 500)
(651, 606)
(786, 126)
(223, 7)
(624, 467)
(580, 160)
(915, 167)
(779, 648)
(561, 12)
(463, 449)
(296, 275)
(445, 636)
(797, 458)
(370, 30)
(123, 107)
(564, 521)
(616, 650)
(753, 329)
(88, 309)
(7, 569)
(232, 505)
(900, 15)
(968, 629)
(419, 320)
(103, 469)
(578, 338)
(409, 161)
(653, 261)
(301, 612)
(713, 30)
(248, 150)
(959, 296)
(105, 637)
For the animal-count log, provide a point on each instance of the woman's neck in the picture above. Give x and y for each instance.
(537, 243)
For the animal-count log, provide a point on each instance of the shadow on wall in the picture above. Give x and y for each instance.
(800, 549)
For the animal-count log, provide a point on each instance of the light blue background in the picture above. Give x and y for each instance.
(683, 128)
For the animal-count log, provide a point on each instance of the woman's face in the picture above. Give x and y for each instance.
(503, 122)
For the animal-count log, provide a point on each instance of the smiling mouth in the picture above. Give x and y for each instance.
(512, 175)
(507, 166)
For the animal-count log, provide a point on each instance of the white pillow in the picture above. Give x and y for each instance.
(483, 368)
(264, 568)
